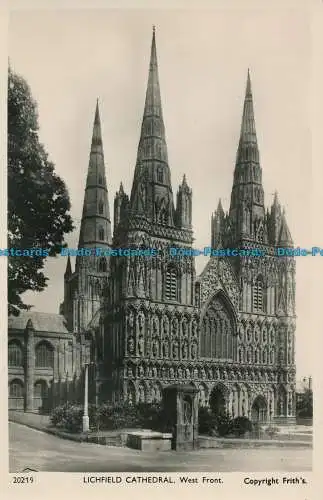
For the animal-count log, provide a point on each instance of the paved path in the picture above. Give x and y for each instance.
(44, 452)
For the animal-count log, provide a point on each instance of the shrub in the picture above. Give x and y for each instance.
(69, 416)
(207, 421)
(110, 417)
(224, 425)
(240, 425)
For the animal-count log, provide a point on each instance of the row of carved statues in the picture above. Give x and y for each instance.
(201, 373)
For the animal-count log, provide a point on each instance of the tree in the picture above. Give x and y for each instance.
(38, 201)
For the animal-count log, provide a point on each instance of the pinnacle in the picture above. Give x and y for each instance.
(220, 208)
(68, 270)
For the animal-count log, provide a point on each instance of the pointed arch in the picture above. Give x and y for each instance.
(218, 328)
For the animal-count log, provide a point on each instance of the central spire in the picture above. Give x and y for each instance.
(248, 147)
(151, 195)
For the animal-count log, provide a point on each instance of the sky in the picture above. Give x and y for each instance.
(71, 58)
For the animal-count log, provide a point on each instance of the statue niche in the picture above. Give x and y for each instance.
(217, 330)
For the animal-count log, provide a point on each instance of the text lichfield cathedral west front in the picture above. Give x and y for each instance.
(151, 322)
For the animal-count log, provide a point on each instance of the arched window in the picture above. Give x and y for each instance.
(101, 234)
(160, 177)
(100, 207)
(100, 179)
(217, 330)
(171, 284)
(258, 295)
(44, 355)
(15, 354)
(103, 265)
(16, 389)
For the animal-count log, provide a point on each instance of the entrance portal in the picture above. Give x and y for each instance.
(259, 410)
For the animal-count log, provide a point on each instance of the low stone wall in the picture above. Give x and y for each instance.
(304, 421)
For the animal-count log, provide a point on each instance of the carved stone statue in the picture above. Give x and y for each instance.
(184, 350)
(155, 325)
(184, 327)
(175, 350)
(141, 394)
(130, 320)
(194, 350)
(141, 321)
(165, 326)
(131, 345)
(155, 348)
(174, 326)
(141, 345)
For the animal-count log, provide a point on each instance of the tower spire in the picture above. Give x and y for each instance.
(248, 147)
(96, 225)
(247, 211)
(151, 194)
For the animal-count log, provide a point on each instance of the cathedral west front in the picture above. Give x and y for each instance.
(152, 321)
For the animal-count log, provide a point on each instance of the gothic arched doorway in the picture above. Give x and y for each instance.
(218, 400)
(259, 410)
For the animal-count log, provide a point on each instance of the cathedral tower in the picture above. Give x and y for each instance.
(151, 297)
(266, 326)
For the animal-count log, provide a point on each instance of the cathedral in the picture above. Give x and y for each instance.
(151, 321)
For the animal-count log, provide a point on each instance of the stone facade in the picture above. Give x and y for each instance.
(229, 332)
(44, 362)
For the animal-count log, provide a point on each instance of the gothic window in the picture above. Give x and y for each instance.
(100, 207)
(101, 234)
(258, 295)
(15, 354)
(44, 355)
(160, 177)
(16, 389)
(100, 179)
(103, 265)
(217, 331)
(171, 283)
